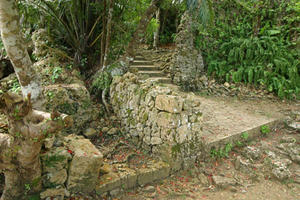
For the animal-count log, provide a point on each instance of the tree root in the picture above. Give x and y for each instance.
(104, 93)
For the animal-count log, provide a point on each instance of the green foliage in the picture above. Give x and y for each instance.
(244, 138)
(1, 44)
(55, 73)
(245, 135)
(221, 153)
(204, 11)
(265, 129)
(255, 43)
(75, 23)
(176, 149)
(151, 28)
(15, 86)
(51, 161)
(34, 197)
(100, 83)
(239, 143)
(68, 108)
(2, 49)
(27, 188)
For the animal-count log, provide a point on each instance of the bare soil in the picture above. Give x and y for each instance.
(255, 183)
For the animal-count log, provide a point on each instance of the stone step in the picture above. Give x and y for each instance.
(163, 80)
(234, 122)
(126, 178)
(213, 141)
(139, 58)
(149, 74)
(145, 67)
(141, 62)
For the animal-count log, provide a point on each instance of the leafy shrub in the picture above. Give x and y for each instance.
(151, 28)
(255, 45)
(101, 82)
(265, 129)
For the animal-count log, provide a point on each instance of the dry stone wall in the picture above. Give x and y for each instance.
(158, 118)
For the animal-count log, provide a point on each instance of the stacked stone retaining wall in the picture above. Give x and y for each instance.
(158, 118)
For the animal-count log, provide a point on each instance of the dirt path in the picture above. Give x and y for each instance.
(253, 181)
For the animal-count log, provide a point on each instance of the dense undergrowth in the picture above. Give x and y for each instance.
(255, 42)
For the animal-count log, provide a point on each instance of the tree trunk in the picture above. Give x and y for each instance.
(108, 34)
(141, 29)
(16, 49)
(20, 149)
(103, 35)
(156, 33)
(163, 25)
(177, 22)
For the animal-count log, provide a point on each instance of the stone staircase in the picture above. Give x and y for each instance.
(147, 70)
(223, 123)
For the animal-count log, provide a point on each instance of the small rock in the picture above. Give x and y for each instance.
(105, 129)
(203, 179)
(282, 162)
(233, 189)
(57, 193)
(252, 152)
(67, 193)
(90, 133)
(297, 180)
(294, 125)
(56, 177)
(226, 84)
(113, 118)
(281, 173)
(288, 139)
(153, 195)
(115, 192)
(113, 131)
(241, 165)
(223, 182)
(271, 154)
(149, 189)
(264, 145)
(49, 142)
(58, 143)
(295, 158)
(156, 140)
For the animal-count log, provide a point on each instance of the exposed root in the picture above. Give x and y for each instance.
(104, 93)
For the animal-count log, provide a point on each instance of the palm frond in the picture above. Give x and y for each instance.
(203, 9)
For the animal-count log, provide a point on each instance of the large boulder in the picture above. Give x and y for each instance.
(71, 99)
(55, 167)
(64, 91)
(85, 165)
